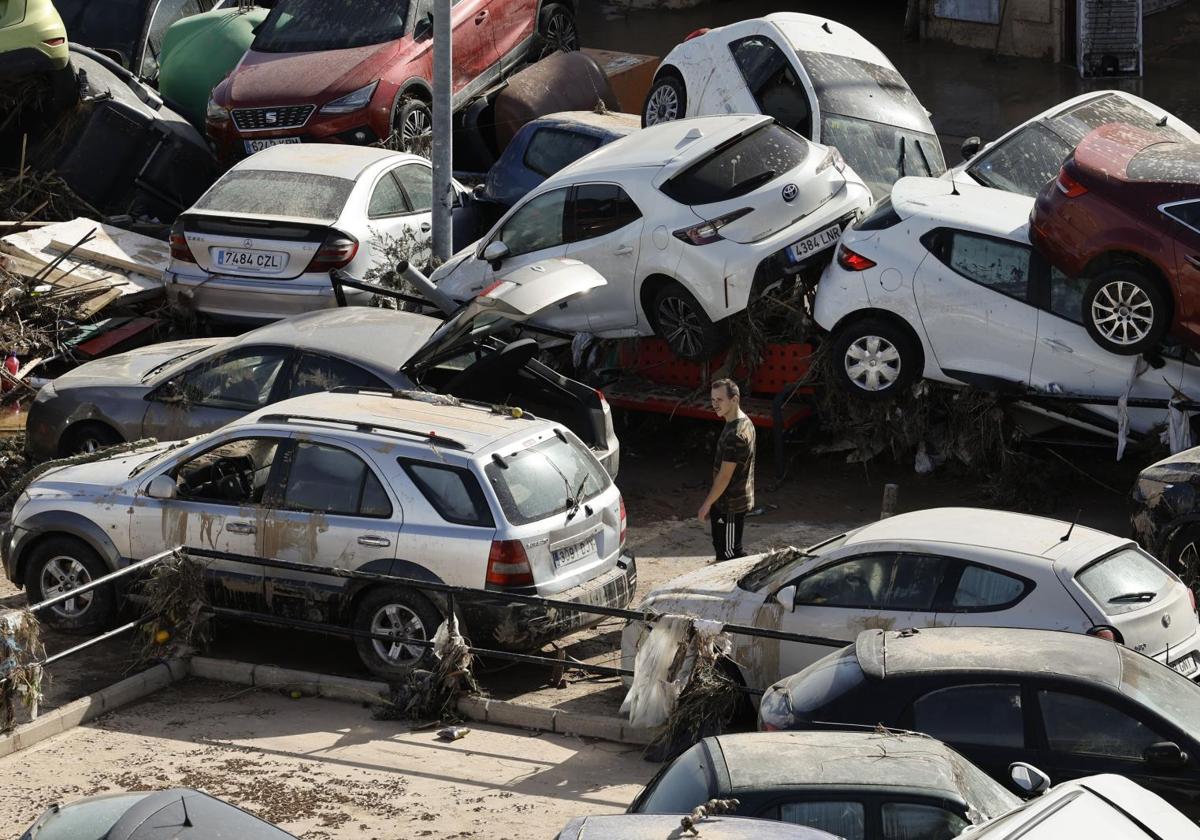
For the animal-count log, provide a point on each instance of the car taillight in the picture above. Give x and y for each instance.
(624, 521)
(54, 42)
(1111, 634)
(180, 250)
(336, 251)
(703, 30)
(832, 158)
(710, 231)
(770, 727)
(852, 261)
(1068, 186)
(508, 565)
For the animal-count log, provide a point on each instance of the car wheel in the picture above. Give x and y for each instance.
(681, 322)
(60, 564)
(557, 31)
(1125, 311)
(400, 612)
(874, 360)
(412, 127)
(666, 101)
(1183, 554)
(88, 437)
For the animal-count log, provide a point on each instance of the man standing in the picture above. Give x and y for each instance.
(732, 492)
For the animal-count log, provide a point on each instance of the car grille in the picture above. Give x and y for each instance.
(259, 119)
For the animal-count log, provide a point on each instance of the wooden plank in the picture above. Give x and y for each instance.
(28, 268)
(118, 248)
(122, 330)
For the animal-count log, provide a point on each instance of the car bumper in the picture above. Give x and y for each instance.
(516, 627)
(369, 125)
(9, 537)
(1183, 657)
(254, 300)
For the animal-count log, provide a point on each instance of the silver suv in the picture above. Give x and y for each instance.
(405, 483)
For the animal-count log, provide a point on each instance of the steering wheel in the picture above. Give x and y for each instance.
(228, 473)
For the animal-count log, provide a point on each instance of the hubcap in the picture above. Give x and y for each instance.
(680, 325)
(62, 574)
(663, 105)
(872, 363)
(398, 621)
(560, 34)
(1122, 312)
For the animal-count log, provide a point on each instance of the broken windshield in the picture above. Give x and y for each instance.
(882, 154)
(312, 25)
(863, 89)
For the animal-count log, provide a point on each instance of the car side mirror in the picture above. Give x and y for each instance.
(423, 28)
(169, 392)
(162, 487)
(495, 253)
(1030, 780)
(1165, 755)
(787, 597)
(970, 147)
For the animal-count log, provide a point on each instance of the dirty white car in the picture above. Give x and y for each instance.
(686, 221)
(401, 483)
(814, 75)
(944, 567)
(941, 281)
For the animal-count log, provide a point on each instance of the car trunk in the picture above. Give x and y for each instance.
(771, 212)
(278, 249)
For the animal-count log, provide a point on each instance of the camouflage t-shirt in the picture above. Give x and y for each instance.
(736, 445)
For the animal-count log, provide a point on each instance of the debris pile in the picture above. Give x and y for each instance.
(432, 694)
(21, 656)
(177, 601)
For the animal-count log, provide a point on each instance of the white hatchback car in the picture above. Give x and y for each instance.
(814, 75)
(941, 281)
(944, 567)
(259, 245)
(686, 221)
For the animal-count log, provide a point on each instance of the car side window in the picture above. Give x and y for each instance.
(328, 479)
(165, 14)
(454, 492)
(909, 820)
(323, 373)
(234, 473)
(536, 225)
(773, 82)
(1066, 295)
(241, 380)
(1187, 213)
(551, 149)
(874, 581)
(1085, 726)
(979, 715)
(841, 818)
(417, 181)
(997, 264)
(387, 199)
(980, 588)
(600, 209)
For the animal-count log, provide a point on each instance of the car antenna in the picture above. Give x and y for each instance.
(1067, 535)
(1162, 122)
(825, 26)
(953, 188)
(187, 818)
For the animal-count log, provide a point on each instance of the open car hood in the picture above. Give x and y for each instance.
(512, 300)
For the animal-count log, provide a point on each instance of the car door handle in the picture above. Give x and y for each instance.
(1061, 346)
(481, 17)
(1193, 259)
(372, 540)
(426, 227)
(623, 250)
(240, 528)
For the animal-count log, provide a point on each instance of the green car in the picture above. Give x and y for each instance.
(198, 52)
(32, 38)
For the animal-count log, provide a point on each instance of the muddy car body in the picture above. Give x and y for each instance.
(1166, 512)
(403, 483)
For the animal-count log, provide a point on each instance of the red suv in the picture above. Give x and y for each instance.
(362, 72)
(1124, 212)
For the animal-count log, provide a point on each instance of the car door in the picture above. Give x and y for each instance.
(476, 63)
(878, 590)
(974, 301)
(334, 510)
(215, 391)
(221, 487)
(1184, 223)
(606, 233)
(985, 721)
(513, 25)
(399, 215)
(772, 82)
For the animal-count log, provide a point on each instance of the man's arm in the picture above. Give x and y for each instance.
(724, 476)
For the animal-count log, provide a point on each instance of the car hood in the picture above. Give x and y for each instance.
(106, 476)
(128, 368)
(717, 582)
(1182, 466)
(269, 78)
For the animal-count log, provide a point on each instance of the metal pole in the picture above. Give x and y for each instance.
(443, 160)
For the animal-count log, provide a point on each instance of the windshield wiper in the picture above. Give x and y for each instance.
(900, 163)
(576, 500)
(1129, 597)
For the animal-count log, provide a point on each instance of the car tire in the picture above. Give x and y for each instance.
(395, 609)
(666, 101)
(556, 31)
(1125, 311)
(62, 561)
(1182, 554)
(88, 437)
(412, 127)
(681, 321)
(874, 360)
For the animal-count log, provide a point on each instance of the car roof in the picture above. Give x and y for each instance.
(381, 338)
(608, 122)
(813, 33)
(666, 827)
(335, 160)
(988, 650)
(943, 202)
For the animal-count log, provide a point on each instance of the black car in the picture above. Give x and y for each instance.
(1166, 512)
(1068, 704)
(858, 785)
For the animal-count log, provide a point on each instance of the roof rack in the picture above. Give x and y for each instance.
(432, 437)
(433, 398)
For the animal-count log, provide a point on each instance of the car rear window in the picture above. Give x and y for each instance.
(454, 492)
(681, 787)
(551, 149)
(265, 193)
(1077, 123)
(1174, 163)
(1124, 581)
(738, 166)
(545, 479)
(311, 25)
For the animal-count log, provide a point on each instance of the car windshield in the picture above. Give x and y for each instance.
(882, 154)
(163, 365)
(312, 25)
(1160, 689)
(559, 474)
(863, 89)
(261, 192)
(775, 562)
(108, 25)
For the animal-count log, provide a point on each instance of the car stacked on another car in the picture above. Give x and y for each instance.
(32, 38)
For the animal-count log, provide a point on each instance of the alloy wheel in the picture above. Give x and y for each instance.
(417, 129)
(560, 34)
(680, 326)
(1122, 312)
(400, 622)
(872, 363)
(1188, 565)
(663, 105)
(62, 574)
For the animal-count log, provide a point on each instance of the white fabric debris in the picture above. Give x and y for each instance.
(1140, 366)
(658, 673)
(1179, 427)
(710, 632)
(924, 464)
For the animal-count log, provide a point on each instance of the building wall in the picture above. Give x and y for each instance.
(1032, 28)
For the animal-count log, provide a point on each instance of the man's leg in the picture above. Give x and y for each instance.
(717, 522)
(737, 523)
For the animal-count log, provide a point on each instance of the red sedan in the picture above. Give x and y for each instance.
(362, 72)
(1124, 212)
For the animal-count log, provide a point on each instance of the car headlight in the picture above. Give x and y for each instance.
(355, 101)
(216, 113)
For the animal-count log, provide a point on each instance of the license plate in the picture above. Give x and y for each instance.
(245, 259)
(1186, 666)
(574, 553)
(253, 146)
(810, 245)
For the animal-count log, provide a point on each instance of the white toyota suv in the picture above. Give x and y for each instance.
(403, 483)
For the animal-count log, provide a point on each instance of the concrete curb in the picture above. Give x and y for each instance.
(93, 706)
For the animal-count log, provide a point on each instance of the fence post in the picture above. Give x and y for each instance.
(891, 495)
